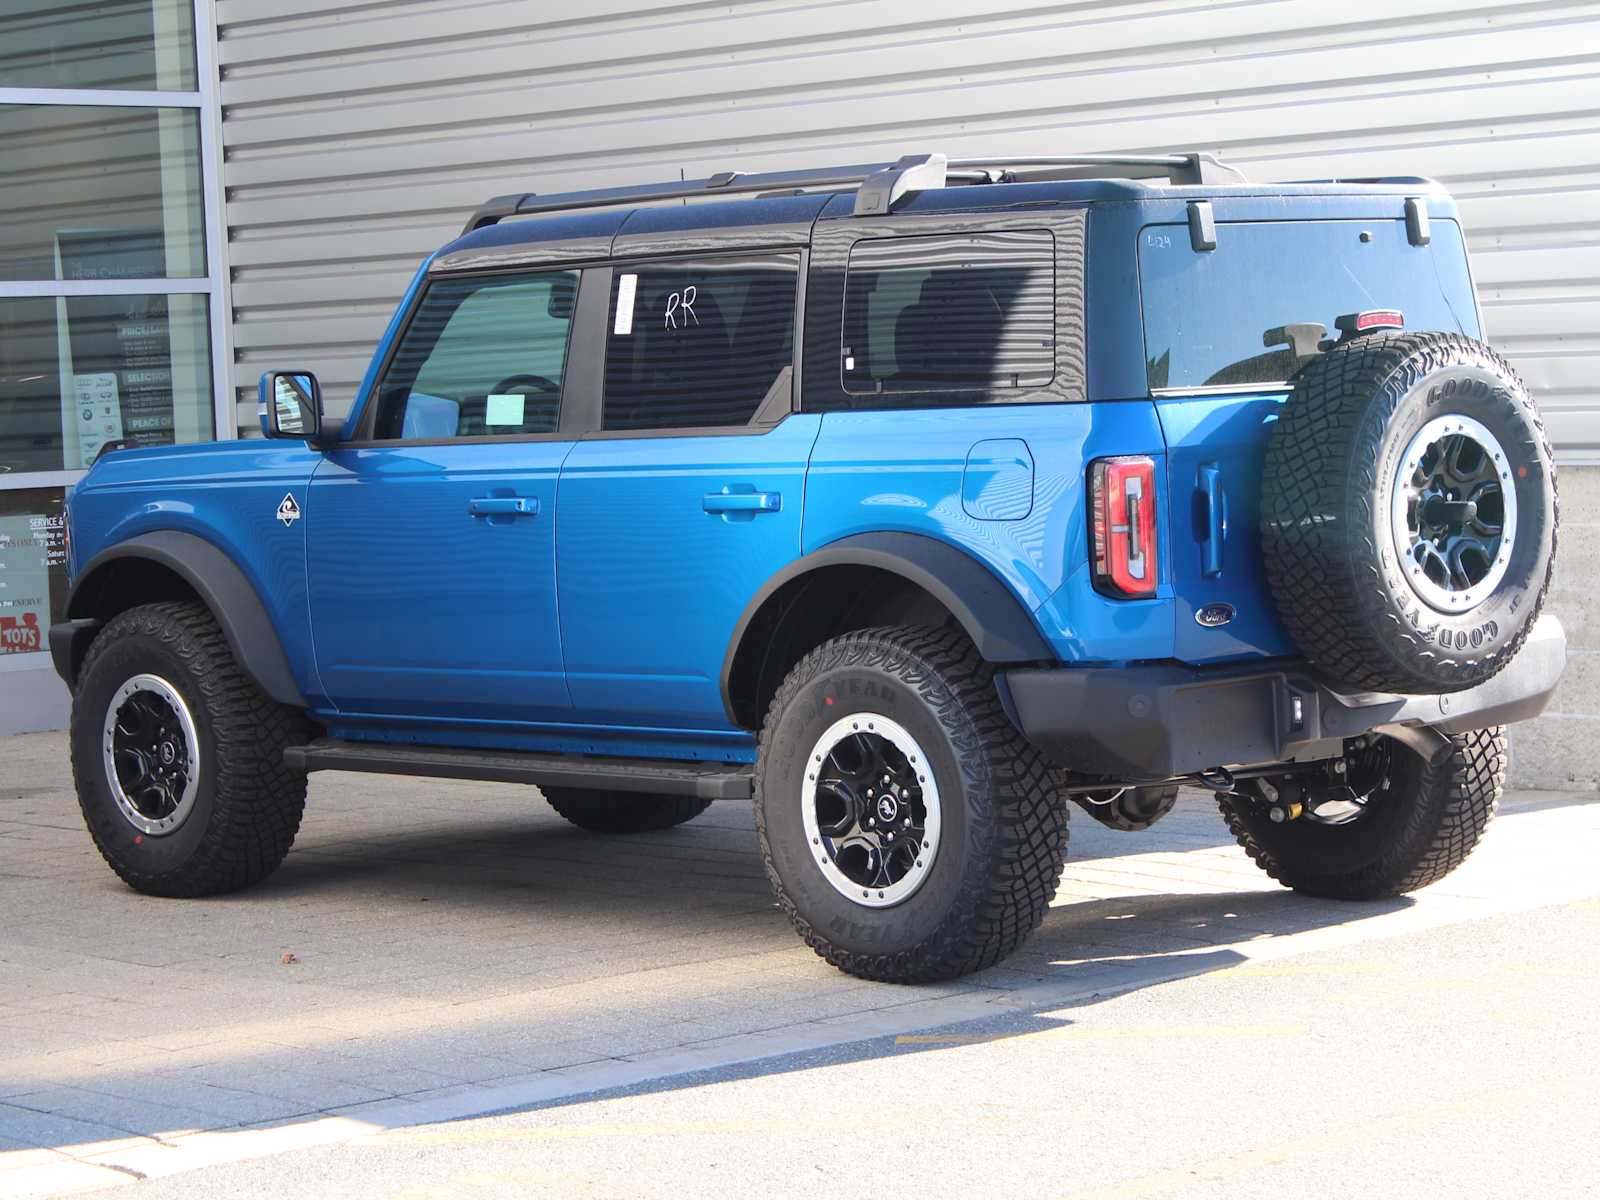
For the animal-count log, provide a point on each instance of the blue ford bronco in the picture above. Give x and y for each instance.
(912, 501)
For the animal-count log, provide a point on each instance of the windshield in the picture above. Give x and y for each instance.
(1237, 316)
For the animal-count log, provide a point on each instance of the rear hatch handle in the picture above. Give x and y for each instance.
(1214, 498)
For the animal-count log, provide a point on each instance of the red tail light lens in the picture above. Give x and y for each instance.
(1122, 506)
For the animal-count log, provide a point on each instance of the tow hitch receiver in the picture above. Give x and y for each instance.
(1334, 792)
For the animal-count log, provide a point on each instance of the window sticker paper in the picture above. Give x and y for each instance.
(504, 410)
(626, 287)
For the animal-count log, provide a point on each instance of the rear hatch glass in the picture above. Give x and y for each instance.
(1209, 315)
(1219, 358)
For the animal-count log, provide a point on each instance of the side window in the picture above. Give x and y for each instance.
(698, 342)
(963, 313)
(480, 357)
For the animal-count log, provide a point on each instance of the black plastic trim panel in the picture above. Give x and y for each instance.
(708, 781)
(1149, 723)
(222, 588)
(996, 621)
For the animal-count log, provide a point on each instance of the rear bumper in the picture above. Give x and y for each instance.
(1149, 723)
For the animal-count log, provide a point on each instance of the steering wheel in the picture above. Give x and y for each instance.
(537, 382)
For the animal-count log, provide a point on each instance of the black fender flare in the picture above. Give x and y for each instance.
(221, 586)
(998, 623)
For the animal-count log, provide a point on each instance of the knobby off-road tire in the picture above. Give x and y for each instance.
(1134, 810)
(1354, 599)
(605, 811)
(926, 703)
(1415, 832)
(246, 805)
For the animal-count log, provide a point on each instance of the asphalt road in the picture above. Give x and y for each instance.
(1459, 1062)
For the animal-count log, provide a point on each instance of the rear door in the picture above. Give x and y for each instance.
(689, 497)
(1225, 330)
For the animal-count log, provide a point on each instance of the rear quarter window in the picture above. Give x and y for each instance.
(970, 312)
(1216, 318)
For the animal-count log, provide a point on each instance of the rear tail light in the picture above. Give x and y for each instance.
(1122, 507)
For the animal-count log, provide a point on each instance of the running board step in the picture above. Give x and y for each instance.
(708, 781)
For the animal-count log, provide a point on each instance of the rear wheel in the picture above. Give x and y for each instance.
(1406, 825)
(909, 831)
(604, 811)
(178, 756)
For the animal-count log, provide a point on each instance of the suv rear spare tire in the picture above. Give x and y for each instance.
(1408, 513)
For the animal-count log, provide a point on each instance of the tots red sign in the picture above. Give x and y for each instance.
(19, 635)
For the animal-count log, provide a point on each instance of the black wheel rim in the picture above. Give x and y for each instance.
(151, 755)
(871, 810)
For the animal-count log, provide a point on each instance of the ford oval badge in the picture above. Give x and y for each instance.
(1214, 616)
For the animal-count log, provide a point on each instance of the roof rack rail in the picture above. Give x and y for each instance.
(877, 185)
(1190, 167)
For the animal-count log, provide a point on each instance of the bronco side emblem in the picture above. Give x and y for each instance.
(1213, 616)
(288, 511)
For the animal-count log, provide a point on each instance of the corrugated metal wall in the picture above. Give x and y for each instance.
(359, 135)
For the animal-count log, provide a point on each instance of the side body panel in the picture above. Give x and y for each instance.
(227, 493)
(905, 471)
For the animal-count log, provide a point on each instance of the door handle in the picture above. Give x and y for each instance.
(511, 506)
(742, 502)
(1216, 498)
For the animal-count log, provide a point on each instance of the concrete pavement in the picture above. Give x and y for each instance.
(456, 948)
(1451, 1062)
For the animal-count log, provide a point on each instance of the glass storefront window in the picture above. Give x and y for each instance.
(108, 297)
(136, 45)
(33, 567)
(101, 192)
(78, 372)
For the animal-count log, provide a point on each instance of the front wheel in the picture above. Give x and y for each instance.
(178, 756)
(1409, 824)
(909, 831)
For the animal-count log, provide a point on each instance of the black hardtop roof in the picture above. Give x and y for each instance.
(912, 183)
(877, 186)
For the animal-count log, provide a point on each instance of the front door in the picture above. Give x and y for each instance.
(690, 497)
(432, 535)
